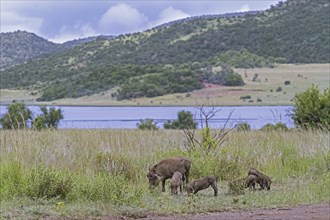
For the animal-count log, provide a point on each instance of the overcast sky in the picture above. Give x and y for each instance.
(64, 20)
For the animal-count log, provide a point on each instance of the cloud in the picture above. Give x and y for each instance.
(169, 14)
(122, 18)
(244, 8)
(11, 21)
(68, 33)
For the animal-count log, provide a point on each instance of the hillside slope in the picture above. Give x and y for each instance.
(21, 46)
(296, 31)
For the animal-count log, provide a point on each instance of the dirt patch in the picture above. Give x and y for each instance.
(303, 212)
(213, 91)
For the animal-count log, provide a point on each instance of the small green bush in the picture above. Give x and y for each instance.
(245, 97)
(311, 109)
(243, 126)
(46, 182)
(185, 121)
(277, 127)
(279, 89)
(48, 119)
(287, 82)
(147, 124)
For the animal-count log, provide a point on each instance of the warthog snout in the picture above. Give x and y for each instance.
(153, 180)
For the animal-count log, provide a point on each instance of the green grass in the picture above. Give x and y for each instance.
(91, 173)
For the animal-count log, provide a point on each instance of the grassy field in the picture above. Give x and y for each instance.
(267, 89)
(94, 173)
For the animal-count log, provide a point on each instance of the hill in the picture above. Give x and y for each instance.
(182, 56)
(21, 46)
(77, 42)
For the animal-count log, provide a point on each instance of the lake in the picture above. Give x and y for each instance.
(91, 117)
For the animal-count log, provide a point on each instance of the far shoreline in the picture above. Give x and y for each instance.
(158, 106)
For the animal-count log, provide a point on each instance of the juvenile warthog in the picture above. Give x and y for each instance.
(263, 180)
(176, 181)
(250, 181)
(166, 168)
(203, 183)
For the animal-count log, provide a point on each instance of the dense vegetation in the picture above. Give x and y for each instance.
(312, 109)
(139, 81)
(100, 173)
(293, 32)
(20, 46)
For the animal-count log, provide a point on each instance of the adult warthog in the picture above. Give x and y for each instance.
(166, 168)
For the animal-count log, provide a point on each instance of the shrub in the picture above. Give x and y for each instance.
(16, 117)
(243, 126)
(311, 109)
(48, 119)
(279, 89)
(206, 164)
(147, 124)
(49, 183)
(277, 127)
(287, 82)
(226, 76)
(230, 78)
(245, 97)
(185, 121)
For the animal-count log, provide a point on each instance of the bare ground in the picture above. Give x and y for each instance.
(303, 212)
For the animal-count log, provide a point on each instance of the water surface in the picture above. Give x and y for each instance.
(83, 117)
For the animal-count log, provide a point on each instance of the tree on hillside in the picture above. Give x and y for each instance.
(226, 76)
(16, 117)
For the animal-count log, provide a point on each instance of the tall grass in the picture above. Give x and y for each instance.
(102, 172)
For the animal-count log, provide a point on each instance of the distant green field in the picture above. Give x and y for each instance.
(268, 88)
